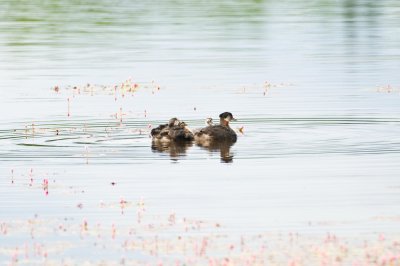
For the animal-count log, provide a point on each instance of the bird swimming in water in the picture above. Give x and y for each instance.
(217, 133)
(175, 130)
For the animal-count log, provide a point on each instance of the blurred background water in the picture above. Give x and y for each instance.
(321, 138)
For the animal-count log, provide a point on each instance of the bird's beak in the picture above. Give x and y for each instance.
(234, 119)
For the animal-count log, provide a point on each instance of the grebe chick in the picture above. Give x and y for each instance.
(221, 132)
(181, 132)
(209, 121)
(174, 122)
(175, 130)
(163, 129)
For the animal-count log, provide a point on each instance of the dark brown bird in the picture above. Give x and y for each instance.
(217, 133)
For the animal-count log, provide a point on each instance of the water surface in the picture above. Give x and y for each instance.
(314, 85)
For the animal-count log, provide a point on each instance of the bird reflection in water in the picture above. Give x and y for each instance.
(223, 147)
(175, 149)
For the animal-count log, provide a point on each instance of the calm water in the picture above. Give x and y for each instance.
(320, 147)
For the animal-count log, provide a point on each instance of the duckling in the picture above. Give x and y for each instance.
(219, 133)
(174, 130)
(209, 121)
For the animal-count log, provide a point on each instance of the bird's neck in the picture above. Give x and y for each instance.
(223, 122)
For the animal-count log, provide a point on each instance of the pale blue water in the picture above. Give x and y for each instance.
(321, 147)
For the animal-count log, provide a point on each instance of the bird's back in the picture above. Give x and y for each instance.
(179, 133)
(216, 133)
(158, 131)
(174, 133)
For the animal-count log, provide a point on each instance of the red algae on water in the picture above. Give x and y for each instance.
(172, 240)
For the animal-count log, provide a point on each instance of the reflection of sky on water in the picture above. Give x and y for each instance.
(201, 43)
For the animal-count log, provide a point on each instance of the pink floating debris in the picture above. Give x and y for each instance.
(68, 114)
(172, 218)
(84, 226)
(46, 186)
(31, 177)
(122, 204)
(113, 231)
(3, 228)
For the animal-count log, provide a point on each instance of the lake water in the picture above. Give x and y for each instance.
(315, 87)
